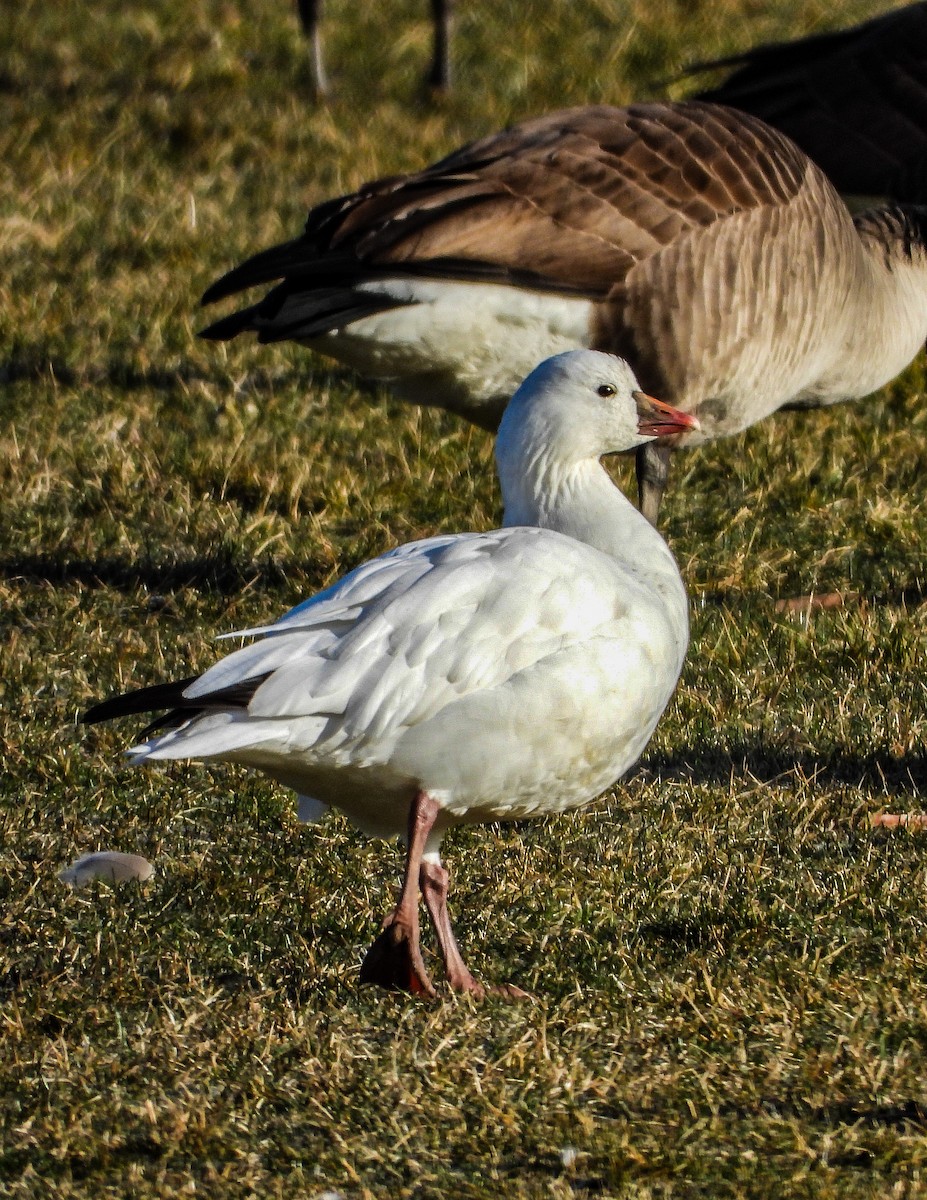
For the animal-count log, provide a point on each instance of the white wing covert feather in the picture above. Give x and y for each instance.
(400, 637)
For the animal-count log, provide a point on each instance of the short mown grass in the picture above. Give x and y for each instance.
(728, 963)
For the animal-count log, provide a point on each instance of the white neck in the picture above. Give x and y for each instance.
(574, 495)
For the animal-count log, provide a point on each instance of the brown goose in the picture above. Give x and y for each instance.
(855, 100)
(698, 243)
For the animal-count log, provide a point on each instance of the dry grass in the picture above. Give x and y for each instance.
(728, 962)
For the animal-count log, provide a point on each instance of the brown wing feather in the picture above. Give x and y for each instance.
(574, 198)
(577, 196)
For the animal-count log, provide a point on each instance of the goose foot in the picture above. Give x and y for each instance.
(394, 961)
(510, 991)
(434, 879)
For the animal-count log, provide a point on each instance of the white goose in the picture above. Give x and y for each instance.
(696, 242)
(467, 678)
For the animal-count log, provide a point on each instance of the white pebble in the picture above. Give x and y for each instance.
(106, 864)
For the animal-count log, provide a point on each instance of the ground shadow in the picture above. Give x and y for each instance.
(879, 771)
(221, 572)
(36, 362)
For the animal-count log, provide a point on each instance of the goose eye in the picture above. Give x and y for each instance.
(605, 390)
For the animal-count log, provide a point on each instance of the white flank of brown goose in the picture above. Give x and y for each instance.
(698, 243)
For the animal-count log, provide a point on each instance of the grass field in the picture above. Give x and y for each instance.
(729, 966)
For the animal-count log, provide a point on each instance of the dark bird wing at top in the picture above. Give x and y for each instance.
(855, 101)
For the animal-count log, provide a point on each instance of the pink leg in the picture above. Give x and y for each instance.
(434, 881)
(394, 960)
(433, 878)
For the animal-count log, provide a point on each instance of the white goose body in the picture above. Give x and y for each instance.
(695, 241)
(511, 674)
(501, 675)
(469, 343)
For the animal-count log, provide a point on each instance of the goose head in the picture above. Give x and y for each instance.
(582, 405)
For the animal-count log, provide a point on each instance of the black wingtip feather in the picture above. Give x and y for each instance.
(171, 696)
(288, 313)
(147, 699)
(263, 267)
(300, 259)
(231, 326)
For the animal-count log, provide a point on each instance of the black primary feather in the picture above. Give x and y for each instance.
(292, 312)
(171, 696)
